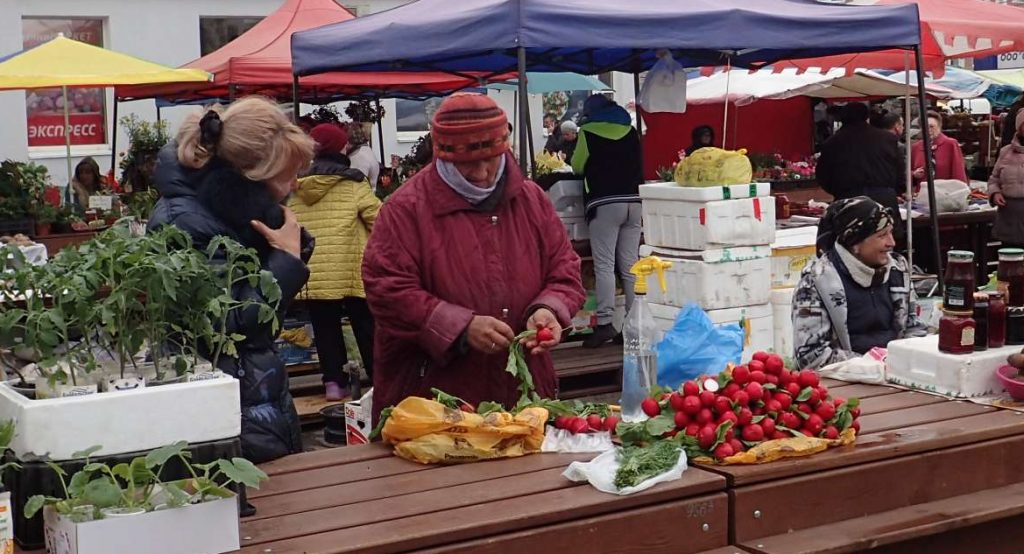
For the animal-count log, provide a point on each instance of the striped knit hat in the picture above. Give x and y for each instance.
(469, 127)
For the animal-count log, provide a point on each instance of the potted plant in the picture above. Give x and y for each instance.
(90, 316)
(45, 216)
(97, 510)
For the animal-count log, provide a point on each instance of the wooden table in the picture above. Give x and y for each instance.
(926, 475)
(56, 242)
(364, 499)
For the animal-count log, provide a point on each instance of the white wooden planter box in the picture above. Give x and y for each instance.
(122, 422)
(207, 528)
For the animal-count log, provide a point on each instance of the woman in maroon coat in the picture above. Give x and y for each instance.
(949, 159)
(463, 257)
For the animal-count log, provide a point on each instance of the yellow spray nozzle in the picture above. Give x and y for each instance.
(647, 266)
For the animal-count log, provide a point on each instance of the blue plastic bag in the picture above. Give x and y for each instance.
(694, 346)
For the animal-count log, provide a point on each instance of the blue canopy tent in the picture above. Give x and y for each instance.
(595, 36)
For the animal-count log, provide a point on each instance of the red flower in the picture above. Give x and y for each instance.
(112, 182)
(51, 195)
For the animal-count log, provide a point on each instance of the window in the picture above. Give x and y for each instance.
(414, 116)
(45, 107)
(215, 32)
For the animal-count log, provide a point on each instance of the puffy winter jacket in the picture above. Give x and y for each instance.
(214, 201)
(334, 202)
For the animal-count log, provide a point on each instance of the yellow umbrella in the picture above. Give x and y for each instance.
(63, 62)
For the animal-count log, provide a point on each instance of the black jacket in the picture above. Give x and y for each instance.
(860, 158)
(217, 200)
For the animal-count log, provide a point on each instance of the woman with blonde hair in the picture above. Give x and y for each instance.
(227, 174)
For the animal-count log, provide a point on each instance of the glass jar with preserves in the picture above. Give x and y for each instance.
(981, 314)
(782, 209)
(956, 332)
(996, 320)
(958, 295)
(1010, 275)
(1014, 326)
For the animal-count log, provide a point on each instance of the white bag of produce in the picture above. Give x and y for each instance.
(950, 195)
(869, 369)
(600, 473)
(664, 88)
(565, 441)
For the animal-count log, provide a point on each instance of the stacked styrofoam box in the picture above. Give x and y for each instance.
(718, 239)
(782, 321)
(918, 363)
(567, 197)
(792, 250)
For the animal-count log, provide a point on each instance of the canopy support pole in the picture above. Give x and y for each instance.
(232, 91)
(929, 170)
(113, 136)
(524, 101)
(639, 118)
(158, 114)
(67, 142)
(380, 135)
(295, 99)
(907, 167)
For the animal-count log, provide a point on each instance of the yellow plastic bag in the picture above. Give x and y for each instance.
(772, 450)
(429, 432)
(710, 166)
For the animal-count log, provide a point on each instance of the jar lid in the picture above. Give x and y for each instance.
(961, 256)
(1011, 254)
(981, 297)
(1015, 310)
(995, 295)
(955, 313)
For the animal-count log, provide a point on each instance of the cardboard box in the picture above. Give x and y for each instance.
(207, 528)
(359, 419)
(792, 250)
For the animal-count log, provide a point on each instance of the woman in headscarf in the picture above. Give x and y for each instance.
(857, 294)
(702, 137)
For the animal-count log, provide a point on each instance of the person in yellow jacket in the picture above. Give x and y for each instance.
(335, 204)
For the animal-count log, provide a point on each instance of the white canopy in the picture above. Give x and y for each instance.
(745, 87)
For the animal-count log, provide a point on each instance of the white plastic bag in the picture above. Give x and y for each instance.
(869, 368)
(562, 440)
(950, 195)
(600, 472)
(664, 88)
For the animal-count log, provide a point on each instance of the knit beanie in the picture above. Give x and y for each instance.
(851, 221)
(469, 127)
(330, 138)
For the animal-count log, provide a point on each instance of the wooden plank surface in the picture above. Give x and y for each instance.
(328, 476)
(326, 458)
(897, 401)
(449, 516)
(437, 478)
(726, 550)
(679, 527)
(784, 505)
(987, 425)
(902, 525)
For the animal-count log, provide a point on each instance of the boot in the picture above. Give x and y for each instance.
(602, 334)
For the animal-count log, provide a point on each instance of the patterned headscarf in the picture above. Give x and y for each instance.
(850, 221)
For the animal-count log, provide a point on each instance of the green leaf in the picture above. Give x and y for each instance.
(633, 433)
(87, 452)
(240, 470)
(76, 487)
(488, 407)
(384, 415)
(176, 496)
(802, 414)
(722, 380)
(218, 491)
(160, 456)
(57, 469)
(845, 421)
(34, 504)
(720, 433)
(805, 395)
(123, 471)
(658, 426)
(757, 419)
(769, 386)
(853, 403)
(93, 467)
(102, 493)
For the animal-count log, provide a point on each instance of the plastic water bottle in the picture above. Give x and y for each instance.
(640, 334)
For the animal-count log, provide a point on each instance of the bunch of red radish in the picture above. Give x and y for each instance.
(592, 423)
(753, 403)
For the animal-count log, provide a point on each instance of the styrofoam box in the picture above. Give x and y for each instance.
(713, 279)
(207, 528)
(756, 321)
(792, 250)
(122, 422)
(567, 197)
(576, 228)
(917, 363)
(692, 219)
(782, 321)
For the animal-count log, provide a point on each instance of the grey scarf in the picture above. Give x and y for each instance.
(472, 193)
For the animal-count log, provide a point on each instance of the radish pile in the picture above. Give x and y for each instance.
(740, 409)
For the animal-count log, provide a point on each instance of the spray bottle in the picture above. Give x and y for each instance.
(639, 361)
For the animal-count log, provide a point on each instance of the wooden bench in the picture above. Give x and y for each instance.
(363, 499)
(925, 471)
